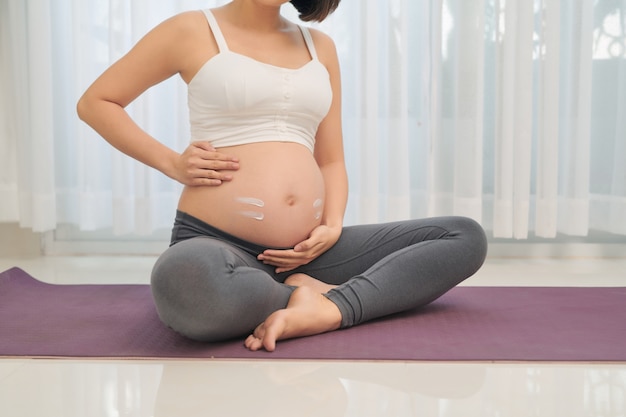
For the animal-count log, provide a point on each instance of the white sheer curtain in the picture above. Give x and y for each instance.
(512, 112)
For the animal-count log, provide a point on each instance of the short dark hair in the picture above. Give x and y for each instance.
(317, 10)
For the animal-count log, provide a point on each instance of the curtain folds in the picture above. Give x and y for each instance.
(512, 112)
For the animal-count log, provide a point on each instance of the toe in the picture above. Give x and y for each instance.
(253, 343)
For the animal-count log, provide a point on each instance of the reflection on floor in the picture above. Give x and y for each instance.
(69, 388)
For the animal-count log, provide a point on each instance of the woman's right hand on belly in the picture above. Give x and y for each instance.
(201, 165)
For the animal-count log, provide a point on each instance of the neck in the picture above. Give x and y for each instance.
(250, 15)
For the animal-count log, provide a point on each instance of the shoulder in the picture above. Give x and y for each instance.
(176, 45)
(184, 24)
(323, 42)
(325, 46)
(181, 37)
(189, 20)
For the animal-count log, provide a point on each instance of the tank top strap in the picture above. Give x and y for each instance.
(215, 28)
(308, 39)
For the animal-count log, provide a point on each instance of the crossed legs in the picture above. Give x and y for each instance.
(372, 271)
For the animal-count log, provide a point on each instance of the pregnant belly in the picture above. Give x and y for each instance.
(275, 198)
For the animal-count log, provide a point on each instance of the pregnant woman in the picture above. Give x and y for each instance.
(258, 245)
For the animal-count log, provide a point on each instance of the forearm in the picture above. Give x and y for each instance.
(112, 122)
(336, 182)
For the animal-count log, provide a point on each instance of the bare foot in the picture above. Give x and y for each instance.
(304, 280)
(308, 312)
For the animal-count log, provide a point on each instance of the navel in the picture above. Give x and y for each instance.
(290, 200)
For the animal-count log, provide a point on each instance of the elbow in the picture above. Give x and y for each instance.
(88, 107)
(91, 107)
(82, 108)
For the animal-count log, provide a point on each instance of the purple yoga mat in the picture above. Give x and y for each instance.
(467, 323)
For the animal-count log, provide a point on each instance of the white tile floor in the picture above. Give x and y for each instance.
(80, 388)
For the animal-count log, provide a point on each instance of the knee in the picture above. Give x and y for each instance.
(185, 288)
(475, 238)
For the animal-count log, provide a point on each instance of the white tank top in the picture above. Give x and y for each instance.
(236, 100)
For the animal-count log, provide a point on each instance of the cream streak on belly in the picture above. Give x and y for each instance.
(252, 214)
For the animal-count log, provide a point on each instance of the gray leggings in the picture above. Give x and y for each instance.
(209, 286)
